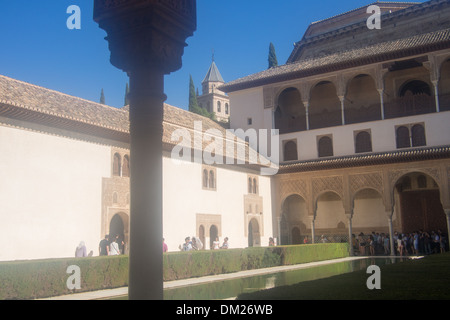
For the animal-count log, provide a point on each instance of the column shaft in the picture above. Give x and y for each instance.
(391, 235)
(146, 129)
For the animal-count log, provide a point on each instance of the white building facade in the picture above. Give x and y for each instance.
(65, 179)
(363, 118)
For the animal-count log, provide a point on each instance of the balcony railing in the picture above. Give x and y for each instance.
(409, 106)
(396, 108)
(325, 119)
(289, 125)
(363, 114)
(444, 102)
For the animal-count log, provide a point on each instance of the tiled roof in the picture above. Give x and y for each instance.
(399, 156)
(379, 3)
(213, 74)
(37, 99)
(27, 102)
(45, 101)
(389, 50)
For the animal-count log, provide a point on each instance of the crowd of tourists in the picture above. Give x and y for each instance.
(195, 243)
(414, 243)
(111, 246)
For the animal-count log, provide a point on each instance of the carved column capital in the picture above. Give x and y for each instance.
(146, 33)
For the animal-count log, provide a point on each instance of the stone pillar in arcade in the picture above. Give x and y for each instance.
(146, 39)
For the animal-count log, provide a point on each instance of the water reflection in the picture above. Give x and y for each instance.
(232, 288)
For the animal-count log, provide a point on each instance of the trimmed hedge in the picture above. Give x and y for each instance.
(47, 278)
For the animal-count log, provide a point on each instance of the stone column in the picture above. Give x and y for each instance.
(381, 92)
(306, 104)
(279, 230)
(146, 129)
(436, 93)
(391, 232)
(342, 99)
(447, 215)
(146, 40)
(313, 231)
(350, 232)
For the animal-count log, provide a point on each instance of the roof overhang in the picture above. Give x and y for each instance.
(382, 158)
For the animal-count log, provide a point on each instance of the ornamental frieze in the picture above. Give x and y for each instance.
(367, 180)
(335, 184)
(395, 175)
(289, 187)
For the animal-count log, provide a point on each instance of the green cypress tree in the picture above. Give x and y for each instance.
(102, 97)
(127, 91)
(193, 104)
(273, 62)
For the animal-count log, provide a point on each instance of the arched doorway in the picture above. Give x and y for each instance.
(290, 114)
(213, 234)
(369, 212)
(201, 233)
(329, 214)
(325, 106)
(418, 203)
(295, 215)
(254, 237)
(444, 86)
(118, 227)
(362, 100)
(296, 236)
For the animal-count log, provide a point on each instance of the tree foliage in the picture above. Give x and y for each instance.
(193, 104)
(127, 91)
(102, 97)
(273, 62)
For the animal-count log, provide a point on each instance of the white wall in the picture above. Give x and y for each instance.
(50, 194)
(383, 135)
(247, 104)
(184, 198)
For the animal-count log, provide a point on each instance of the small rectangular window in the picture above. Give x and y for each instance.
(325, 146)
(363, 142)
(290, 150)
(249, 121)
(209, 178)
(410, 135)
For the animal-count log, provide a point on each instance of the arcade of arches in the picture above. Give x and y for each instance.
(340, 202)
(396, 89)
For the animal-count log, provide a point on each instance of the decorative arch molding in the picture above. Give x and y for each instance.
(207, 221)
(445, 197)
(293, 187)
(441, 177)
(434, 65)
(433, 172)
(125, 216)
(358, 182)
(327, 184)
(334, 79)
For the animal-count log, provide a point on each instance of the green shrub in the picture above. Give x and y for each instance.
(47, 278)
(313, 252)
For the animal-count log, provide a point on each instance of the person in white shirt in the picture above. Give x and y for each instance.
(114, 248)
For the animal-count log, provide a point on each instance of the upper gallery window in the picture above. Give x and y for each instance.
(290, 151)
(325, 146)
(363, 142)
(209, 177)
(411, 135)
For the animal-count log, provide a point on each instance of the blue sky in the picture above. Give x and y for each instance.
(37, 47)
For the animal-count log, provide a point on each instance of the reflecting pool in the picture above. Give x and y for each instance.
(230, 289)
